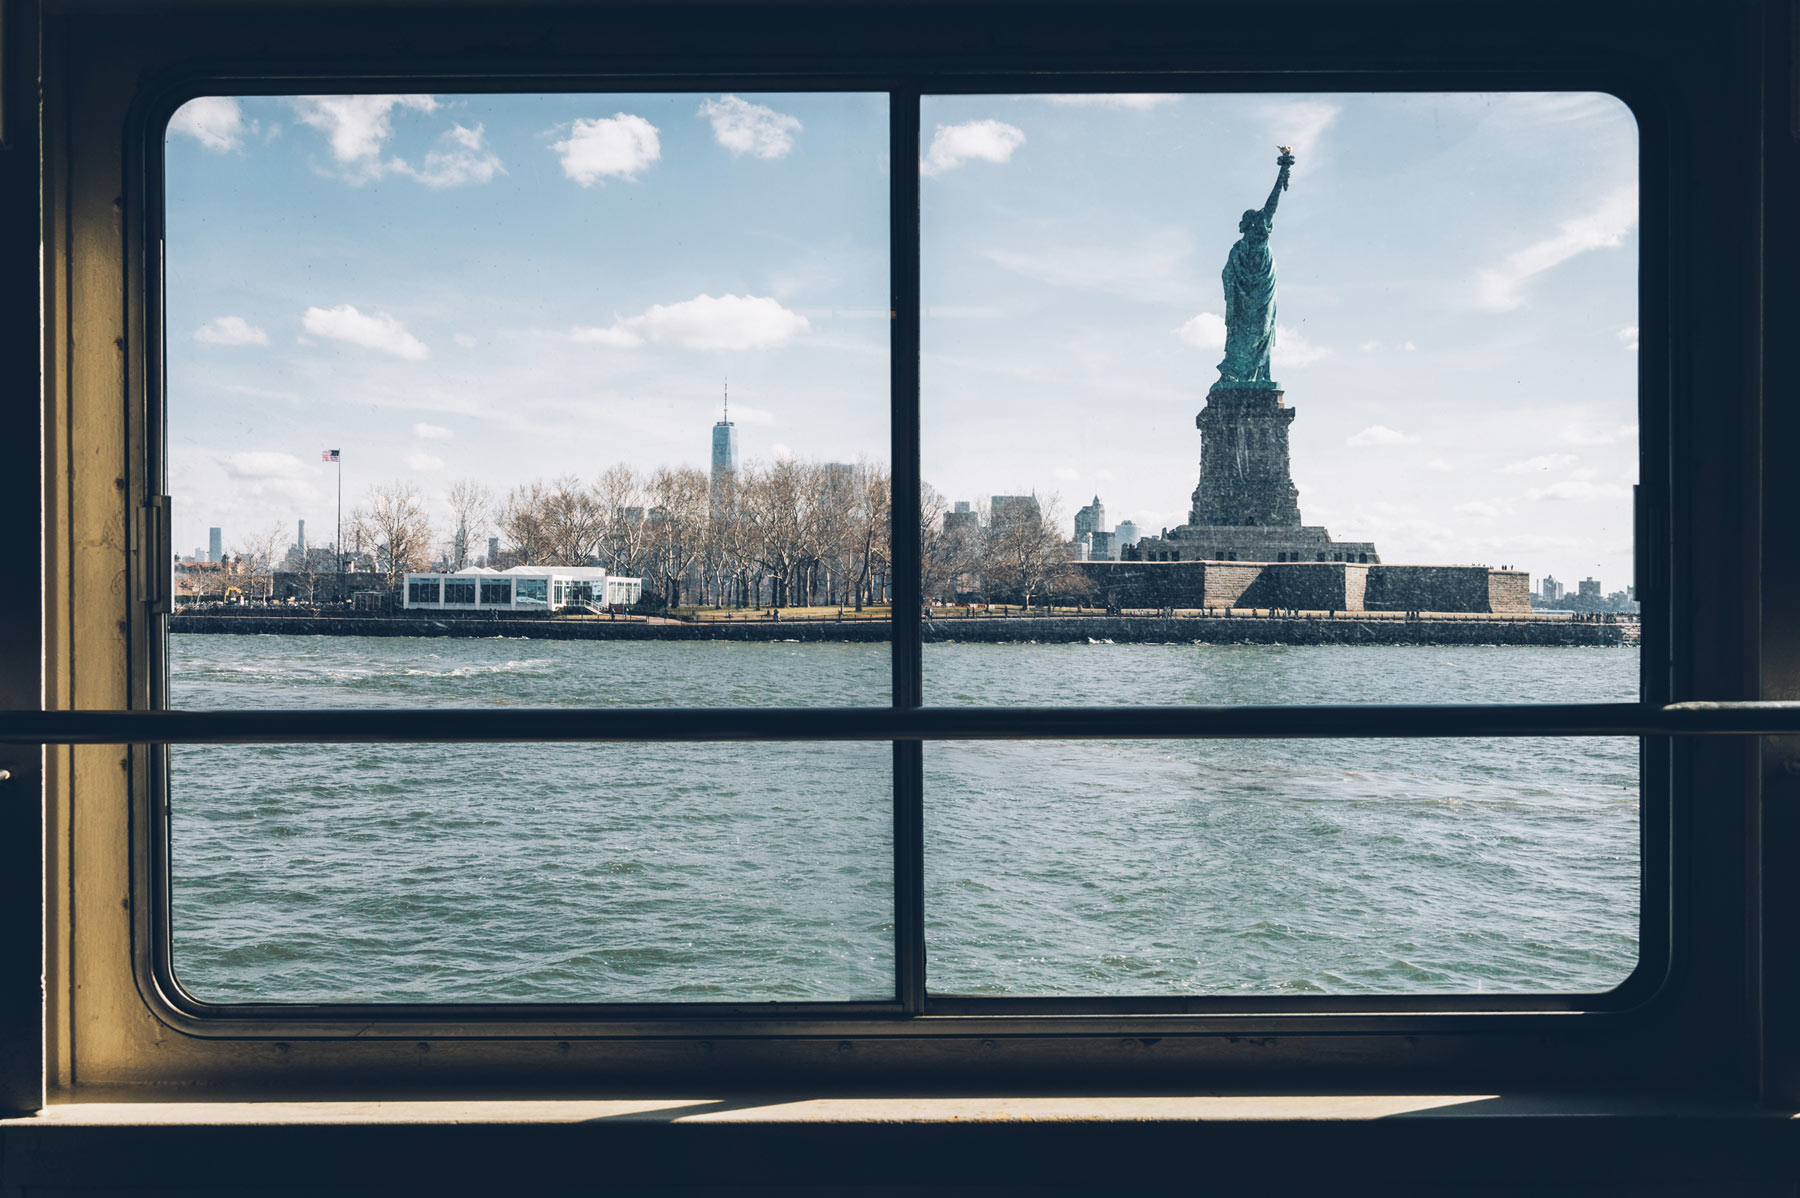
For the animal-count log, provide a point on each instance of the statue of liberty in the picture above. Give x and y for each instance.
(1249, 278)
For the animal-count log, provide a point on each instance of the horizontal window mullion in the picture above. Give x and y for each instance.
(312, 726)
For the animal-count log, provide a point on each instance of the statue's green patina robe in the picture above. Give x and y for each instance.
(1249, 278)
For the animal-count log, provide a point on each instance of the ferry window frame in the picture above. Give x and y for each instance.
(1672, 507)
(906, 666)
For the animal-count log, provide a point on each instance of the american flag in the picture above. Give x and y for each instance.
(329, 455)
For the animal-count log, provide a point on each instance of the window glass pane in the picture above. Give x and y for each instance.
(1281, 867)
(548, 349)
(526, 873)
(1162, 471)
(644, 335)
(1421, 429)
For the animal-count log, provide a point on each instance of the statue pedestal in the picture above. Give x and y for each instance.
(1245, 476)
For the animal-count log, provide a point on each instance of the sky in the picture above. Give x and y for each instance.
(511, 288)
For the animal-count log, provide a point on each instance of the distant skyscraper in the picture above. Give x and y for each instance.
(215, 545)
(961, 518)
(724, 445)
(1091, 518)
(302, 542)
(493, 549)
(1589, 588)
(1126, 534)
(1011, 509)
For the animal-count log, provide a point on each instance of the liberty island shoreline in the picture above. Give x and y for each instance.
(1318, 628)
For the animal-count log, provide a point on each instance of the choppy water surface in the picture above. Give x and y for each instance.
(533, 873)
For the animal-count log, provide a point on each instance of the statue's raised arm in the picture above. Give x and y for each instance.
(1281, 183)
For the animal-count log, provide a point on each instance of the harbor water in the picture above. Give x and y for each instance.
(733, 872)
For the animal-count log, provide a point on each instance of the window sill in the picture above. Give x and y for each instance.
(895, 1141)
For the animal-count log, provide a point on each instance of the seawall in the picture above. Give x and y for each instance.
(1307, 586)
(1257, 630)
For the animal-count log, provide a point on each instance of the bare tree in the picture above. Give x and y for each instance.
(937, 545)
(256, 556)
(619, 493)
(675, 526)
(873, 521)
(394, 523)
(524, 525)
(833, 528)
(472, 507)
(573, 522)
(729, 540)
(1026, 554)
(779, 505)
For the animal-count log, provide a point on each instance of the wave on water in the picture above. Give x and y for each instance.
(529, 666)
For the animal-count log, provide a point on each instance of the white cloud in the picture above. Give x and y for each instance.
(1482, 510)
(463, 339)
(263, 465)
(1547, 461)
(953, 145)
(618, 336)
(1628, 336)
(1205, 331)
(1409, 347)
(423, 461)
(1577, 490)
(357, 125)
(216, 122)
(1067, 474)
(618, 146)
(1138, 101)
(1293, 351)
(234, 481)
(1599, 434)
(230, 330)
(1369, 345)
(431, 432)
(464, 158)
(727, 322)
(1440, 466)
(746, 128)
(378, 331)
(780, 450)
(1299, 123)
(1500, 288)
(1104, 476)
(1380, 434)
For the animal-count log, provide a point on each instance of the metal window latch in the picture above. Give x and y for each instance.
(159, 561)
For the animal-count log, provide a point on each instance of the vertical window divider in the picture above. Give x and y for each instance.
(908, 659)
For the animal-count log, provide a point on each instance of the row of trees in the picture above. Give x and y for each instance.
(784, 533)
